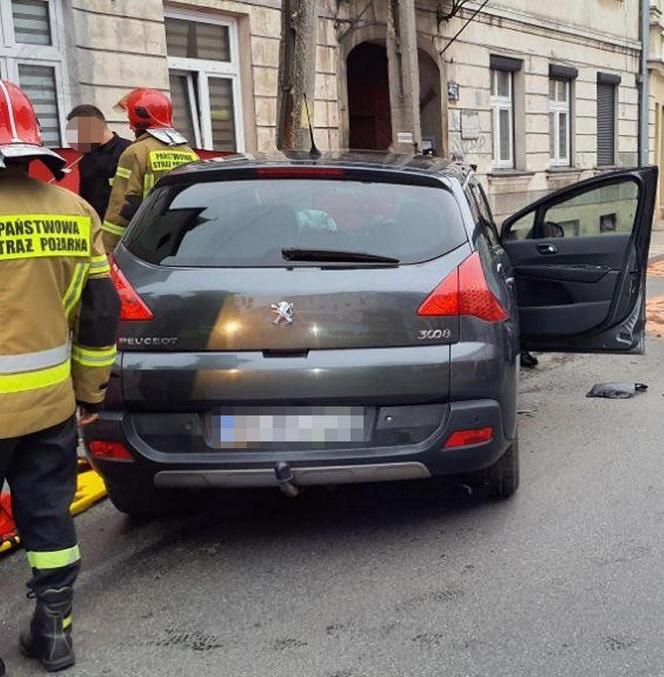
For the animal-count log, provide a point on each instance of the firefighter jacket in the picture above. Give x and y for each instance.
(58, 307)
(139, 168)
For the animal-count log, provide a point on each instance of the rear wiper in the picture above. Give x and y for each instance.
(335, 255)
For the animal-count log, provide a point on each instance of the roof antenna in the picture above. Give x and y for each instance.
(313, 151)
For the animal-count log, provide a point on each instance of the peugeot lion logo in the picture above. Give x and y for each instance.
(283, 313)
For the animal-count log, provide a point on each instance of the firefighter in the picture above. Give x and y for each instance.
(157, 150)
(59, 313)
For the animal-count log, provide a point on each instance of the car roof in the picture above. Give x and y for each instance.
(362, 160)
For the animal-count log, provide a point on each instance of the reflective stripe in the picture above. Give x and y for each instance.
(148, 183)
(113, 228)
(32, 380)
(55, 559)
(111, 181)
(75, 289)
(66, 623)
(40, 359)
(123, 173)
(99, 265)
(94, 357)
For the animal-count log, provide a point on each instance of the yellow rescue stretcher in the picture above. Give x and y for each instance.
(90, 489)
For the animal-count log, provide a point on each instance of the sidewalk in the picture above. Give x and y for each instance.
(657, 242)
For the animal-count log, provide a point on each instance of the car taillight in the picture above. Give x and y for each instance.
(132, 305)
(109, 451)
(464, 292)
(299, 172)
(466, 438)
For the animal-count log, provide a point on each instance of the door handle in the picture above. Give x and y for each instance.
(547, 249)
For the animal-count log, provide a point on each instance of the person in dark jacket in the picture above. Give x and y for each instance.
(88, 132)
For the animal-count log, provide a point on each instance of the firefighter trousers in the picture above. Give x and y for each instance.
(41, 470)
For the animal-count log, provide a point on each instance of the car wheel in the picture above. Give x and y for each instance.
(140, 503)
(502, 478)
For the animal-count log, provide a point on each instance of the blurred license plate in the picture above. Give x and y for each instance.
(306, 425)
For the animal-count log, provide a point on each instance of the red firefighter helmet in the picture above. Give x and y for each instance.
(20, 136)
(147, 109)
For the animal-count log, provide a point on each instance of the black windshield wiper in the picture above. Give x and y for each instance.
(334, 256)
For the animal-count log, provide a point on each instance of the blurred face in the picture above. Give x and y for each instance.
(85, 133)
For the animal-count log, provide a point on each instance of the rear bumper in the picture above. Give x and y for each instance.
(302, 476)
(253, 468)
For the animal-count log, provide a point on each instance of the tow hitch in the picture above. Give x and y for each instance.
(282, 472)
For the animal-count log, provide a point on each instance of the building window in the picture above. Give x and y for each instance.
(204, 72)
(502, 118)
(606, 118)
(559, 121)
(39, 83)
(32, 55)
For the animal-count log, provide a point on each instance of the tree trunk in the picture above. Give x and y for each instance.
(404, 72)
(297, 73)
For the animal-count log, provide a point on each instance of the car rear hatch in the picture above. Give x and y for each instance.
(290, 290)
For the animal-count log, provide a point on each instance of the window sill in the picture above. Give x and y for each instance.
(556, 171)
(560, 177)
(509, 174)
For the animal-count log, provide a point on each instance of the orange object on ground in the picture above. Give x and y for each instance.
(90, 490)
(8, 534)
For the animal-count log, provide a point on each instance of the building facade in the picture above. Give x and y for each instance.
(656, 69)
(537, 95)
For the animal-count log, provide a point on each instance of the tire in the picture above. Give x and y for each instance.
(502, 478)
(140, 503)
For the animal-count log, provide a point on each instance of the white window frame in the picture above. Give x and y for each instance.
(211, 69)
(13, 53)
(558, 107)
(191, 95)
(501, 103)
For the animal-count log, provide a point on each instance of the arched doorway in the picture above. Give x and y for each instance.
(431, 112)
(370, 119)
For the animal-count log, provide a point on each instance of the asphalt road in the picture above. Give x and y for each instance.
(418, 579)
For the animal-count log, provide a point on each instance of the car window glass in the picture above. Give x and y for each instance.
(608, 210)
(250, 222)
(605, 210)
(485, 213)
(523, 227)
(474, 210)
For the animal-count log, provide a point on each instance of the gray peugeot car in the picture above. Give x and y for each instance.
(292, 320)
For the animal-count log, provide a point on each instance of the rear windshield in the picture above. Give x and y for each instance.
(248, 223)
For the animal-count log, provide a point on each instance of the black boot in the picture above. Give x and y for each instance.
(2, 668)
(528, 360)
(49, 636)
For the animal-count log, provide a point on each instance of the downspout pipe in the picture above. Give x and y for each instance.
(644, 80)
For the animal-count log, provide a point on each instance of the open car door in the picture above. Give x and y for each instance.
(579, 259)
